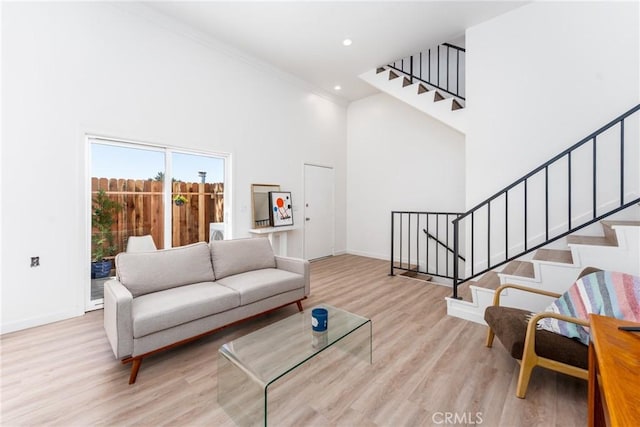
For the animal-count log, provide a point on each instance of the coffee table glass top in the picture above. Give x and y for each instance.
(269, 353)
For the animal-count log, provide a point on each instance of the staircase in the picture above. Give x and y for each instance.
(616, 249)
(578, 209)
(431, 81)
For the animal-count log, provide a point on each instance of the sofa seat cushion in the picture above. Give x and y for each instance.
(510, 326)
(237, 256)
(146, 272)
(260, 284)
(164, 309)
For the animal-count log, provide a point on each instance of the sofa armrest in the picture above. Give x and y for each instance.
(118, 322)
(298, 266)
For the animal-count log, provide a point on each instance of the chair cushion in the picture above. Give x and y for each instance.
(164, 309)
(260, 284)
(510, 326)
(237, 256)
(145, 272)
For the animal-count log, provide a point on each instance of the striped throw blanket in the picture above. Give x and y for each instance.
(604, 292)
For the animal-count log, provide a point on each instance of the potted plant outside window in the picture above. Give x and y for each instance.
(103, 216)
(179, 200)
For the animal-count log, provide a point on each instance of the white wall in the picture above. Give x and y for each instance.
(542, 77)
(75, 68)
(398, 158)
(539, 79)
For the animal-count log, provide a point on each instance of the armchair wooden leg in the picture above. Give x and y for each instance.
(299, 303)
(135, 366)
(490, 335)
(526, 367)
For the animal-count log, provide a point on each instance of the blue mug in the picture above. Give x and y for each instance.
(319, 319)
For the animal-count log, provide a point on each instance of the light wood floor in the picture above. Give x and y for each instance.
(424, 365)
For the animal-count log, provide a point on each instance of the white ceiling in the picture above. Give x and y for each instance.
(304, 38)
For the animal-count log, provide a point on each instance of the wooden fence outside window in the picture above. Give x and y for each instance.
(142, 209)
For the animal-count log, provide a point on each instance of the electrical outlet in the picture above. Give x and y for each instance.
(35, 261)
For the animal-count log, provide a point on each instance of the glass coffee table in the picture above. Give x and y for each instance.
(248, 365)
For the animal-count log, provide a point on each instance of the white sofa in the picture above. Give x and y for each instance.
(165, 298)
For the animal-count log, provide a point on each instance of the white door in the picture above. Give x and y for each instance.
(318, 212)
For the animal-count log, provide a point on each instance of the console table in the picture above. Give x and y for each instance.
(614, 373)
(281, 232)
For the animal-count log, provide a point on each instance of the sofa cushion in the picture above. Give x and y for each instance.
(510, 326)
(164, 309)
(145, 272)
(231, 257)
(260, 284)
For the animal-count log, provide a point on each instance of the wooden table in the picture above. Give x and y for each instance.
(614, 373)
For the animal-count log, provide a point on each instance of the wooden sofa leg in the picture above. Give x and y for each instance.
(490, 336)
(299, 303)
(135, 366)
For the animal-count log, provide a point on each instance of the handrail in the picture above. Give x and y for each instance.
(434, 79)
(523, 181)
(431, 236)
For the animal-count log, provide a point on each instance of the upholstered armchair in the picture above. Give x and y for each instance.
(518, 331)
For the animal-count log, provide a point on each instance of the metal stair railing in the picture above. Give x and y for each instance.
(442, 68)
(420, 242)
(515, 205)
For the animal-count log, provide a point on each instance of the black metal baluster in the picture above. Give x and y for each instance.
(411, 69)
(420, 65)
(506, 225)
(438, 71)
(447, 243)
(472, 246)
(569, 189)
(401, 218)
(427, 242)
(429, 68)
(622, 162)
(489, 234)
(546, 202)
(417, 241)
(409, 242)
(525, 215)
(456, 275)
(437, 248)
(594, 177)
(448, 49)
(457, 72)
(392, 240)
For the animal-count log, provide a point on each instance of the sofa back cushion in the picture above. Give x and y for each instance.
(146, 272)
(231, 257)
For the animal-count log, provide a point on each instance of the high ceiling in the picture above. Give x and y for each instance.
(305, 38)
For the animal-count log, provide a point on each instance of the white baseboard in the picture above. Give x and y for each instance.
(38, 321)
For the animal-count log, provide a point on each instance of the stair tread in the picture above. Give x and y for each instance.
(489, 280)
(614, 223)
(590, 240)
(554, 255)
(519, 268)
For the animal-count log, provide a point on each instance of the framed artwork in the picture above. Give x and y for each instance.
(280, 210)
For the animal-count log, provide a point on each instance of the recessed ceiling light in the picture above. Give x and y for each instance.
(337, 87)
(347, 42)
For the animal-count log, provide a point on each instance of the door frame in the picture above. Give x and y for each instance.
(333, 207)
